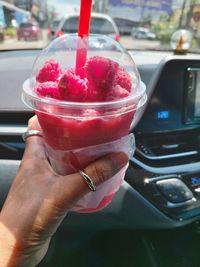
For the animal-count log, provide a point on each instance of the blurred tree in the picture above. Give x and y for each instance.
(190, 14)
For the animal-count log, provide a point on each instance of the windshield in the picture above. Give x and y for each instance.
(136, 24)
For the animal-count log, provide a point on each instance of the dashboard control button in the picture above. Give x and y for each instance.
(174, 190)
(197, 190)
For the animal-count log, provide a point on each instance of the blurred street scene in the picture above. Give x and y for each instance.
(144, 24)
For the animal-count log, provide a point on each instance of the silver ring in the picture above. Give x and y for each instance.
(29, 133)
(88, 180)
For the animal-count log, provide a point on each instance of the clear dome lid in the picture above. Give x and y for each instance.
(126, 84)
(64, 51)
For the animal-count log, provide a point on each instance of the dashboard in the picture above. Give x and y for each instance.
(162, 184)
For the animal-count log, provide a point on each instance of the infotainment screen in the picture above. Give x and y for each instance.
(173, 96)
(197, 95)
(192, 96)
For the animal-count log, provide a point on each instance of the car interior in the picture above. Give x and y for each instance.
(154, 218)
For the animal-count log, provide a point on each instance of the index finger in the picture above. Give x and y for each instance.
(33, 124)
(72, 187)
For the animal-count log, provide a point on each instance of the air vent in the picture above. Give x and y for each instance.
(11, 147)
(12, 125)
(168, 149)
(14, 117)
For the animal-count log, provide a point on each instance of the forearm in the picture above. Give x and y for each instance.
(12, 252)
(9, 251)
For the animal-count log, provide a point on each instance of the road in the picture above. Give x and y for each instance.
(15, 44)
(127, 41)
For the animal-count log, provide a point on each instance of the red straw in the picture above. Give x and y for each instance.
(83, 31)
(84, 19)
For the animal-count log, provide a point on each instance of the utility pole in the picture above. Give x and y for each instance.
(182, 14)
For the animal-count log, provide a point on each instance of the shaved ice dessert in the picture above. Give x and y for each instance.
(85, 114)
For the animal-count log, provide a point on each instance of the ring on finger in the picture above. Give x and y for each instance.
(29, 133)
(88, 180)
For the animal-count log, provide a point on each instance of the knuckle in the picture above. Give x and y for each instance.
(99, 172)
(95, 171)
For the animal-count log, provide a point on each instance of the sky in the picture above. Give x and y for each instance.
(64, 6)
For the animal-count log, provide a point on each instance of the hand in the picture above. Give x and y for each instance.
(39, 199)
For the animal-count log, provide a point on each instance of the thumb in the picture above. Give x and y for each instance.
(73, 186)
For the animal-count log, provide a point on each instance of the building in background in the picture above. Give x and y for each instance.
(11, 15)
(137, 10)
(2, 17)
(36, 8)
(100, 6)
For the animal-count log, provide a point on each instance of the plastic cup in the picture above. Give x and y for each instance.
(70, 161)
(68, 126)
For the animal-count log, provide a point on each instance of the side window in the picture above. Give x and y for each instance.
(70, 25)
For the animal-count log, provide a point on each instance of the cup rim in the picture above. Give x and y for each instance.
(124, 102)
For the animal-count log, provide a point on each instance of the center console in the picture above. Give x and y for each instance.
(166, 164)
(177, 196)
